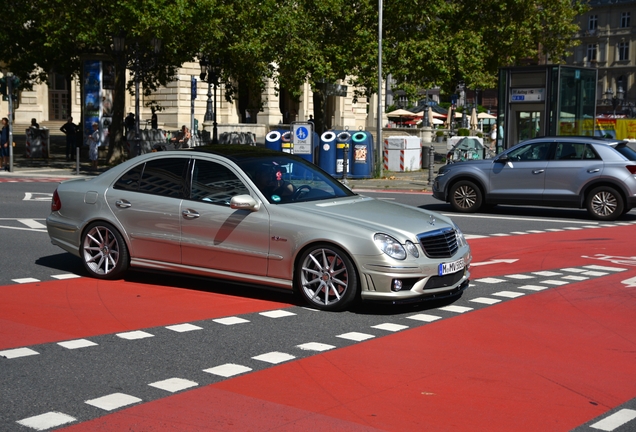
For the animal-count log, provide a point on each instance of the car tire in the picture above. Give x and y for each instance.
(104, 251)
(465, 197)
(326, 278)
(605, 203)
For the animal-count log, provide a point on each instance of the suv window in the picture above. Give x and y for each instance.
(575, 151)
(531, 152)
(163, 177)
(215, 183)
(626, 151)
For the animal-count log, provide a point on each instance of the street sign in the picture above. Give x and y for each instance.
(302, 137)
(527, 95)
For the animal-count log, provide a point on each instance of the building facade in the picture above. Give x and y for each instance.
(608, 42)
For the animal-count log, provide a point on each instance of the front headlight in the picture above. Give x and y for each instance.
(390, 246)
(461, 240)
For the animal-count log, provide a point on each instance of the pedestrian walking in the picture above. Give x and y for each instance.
(70, 130)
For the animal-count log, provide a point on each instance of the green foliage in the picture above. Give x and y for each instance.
(439, 133)
(463, 132)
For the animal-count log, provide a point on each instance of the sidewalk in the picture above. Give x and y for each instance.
(57, 166)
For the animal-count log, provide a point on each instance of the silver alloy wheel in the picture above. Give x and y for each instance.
(101, 250)
(465, 196)
(325, 278)
(604, 203)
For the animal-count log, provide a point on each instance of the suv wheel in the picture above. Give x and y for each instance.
(604, 203)
(465, 197)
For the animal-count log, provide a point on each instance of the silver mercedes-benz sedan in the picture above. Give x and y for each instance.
(252, 215)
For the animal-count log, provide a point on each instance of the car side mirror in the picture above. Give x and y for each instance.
(502, 159)
(244, 202)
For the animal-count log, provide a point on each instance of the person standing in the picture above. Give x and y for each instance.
(70, 130)
(4, 144)
(93, 149)
(153, 121)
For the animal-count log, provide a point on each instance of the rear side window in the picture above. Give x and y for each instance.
(163, 177)
(626, 151)
(575, 151)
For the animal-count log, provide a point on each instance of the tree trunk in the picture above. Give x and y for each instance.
(320, 111)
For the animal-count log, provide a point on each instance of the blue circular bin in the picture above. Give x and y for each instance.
(361, 154)
(327, 152)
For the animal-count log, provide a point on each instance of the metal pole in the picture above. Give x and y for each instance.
(215, 136)
(431, 163)
(10, 143)
(137, 150)
(379, 145)
(208, 104)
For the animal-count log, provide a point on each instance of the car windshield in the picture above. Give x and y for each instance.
(626, 151)
(286, 179)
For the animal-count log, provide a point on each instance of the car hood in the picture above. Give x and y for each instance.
(377, 215)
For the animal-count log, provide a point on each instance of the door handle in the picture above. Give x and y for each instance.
(595, 170)
(190, 214)
(540, 171)
(123, 204)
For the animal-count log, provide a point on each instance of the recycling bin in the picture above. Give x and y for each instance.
(273, 140)
(327, 152)
(361, 155)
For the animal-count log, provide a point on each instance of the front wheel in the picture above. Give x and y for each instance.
(465, 197)
(604, 203)
(326, 278)
(104, 252)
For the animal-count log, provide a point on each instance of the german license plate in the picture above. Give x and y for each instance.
(451, 267)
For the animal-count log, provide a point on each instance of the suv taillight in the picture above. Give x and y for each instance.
(56, 204)
(631, 169)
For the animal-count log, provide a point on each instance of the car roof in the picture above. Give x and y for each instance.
(579, 138)
(238, 152)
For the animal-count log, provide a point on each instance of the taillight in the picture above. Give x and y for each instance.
(631, 168)
(56, 204)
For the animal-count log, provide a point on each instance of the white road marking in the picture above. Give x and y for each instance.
(77, 343)
(37, 196)
(113, 401)
(555, 282)
(617, 419)
(277, 313)
(65, 276)
(227, 370)
(456, 309)
(520, 276)
(231, 320)
(182, 328)
(173, 385)
(47, 420)
(18, 352)
(25, 280)
(630, 282)
(496, 261)
(533, 287)
(546, 273)
(315, 346)
(274, 357)
(32, 223)
(133, 335)
(490, 280)
(485, 300)
(512, 218)
(390, 327)
(355, 336)
(424, 317)
(604, 268)
(508, 294)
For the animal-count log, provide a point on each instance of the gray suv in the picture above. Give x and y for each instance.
(598, 174)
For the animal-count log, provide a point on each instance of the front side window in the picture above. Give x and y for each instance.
(531, 152)
(625, 20)
(215, 183)
(623, 51)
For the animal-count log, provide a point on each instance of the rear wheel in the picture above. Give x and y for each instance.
(104, 252)
(326, 278)
(605, 203)
(465, 197)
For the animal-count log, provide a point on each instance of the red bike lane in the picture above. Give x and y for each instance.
(551, 360)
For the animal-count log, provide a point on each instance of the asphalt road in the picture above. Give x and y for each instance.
(542, 340)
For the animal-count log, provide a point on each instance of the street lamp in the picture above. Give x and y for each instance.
(210, 71)
(141, 62)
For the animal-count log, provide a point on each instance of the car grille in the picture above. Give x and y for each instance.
(444, 281)
(440, 243)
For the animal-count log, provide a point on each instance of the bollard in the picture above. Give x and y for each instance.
(345, 163)
(77, 160)
(431, 164)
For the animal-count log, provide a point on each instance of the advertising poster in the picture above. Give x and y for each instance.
(92, 96)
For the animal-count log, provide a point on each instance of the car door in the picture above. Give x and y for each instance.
(573, 166)
(215, 236)
(520, 179)
(147, 201)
